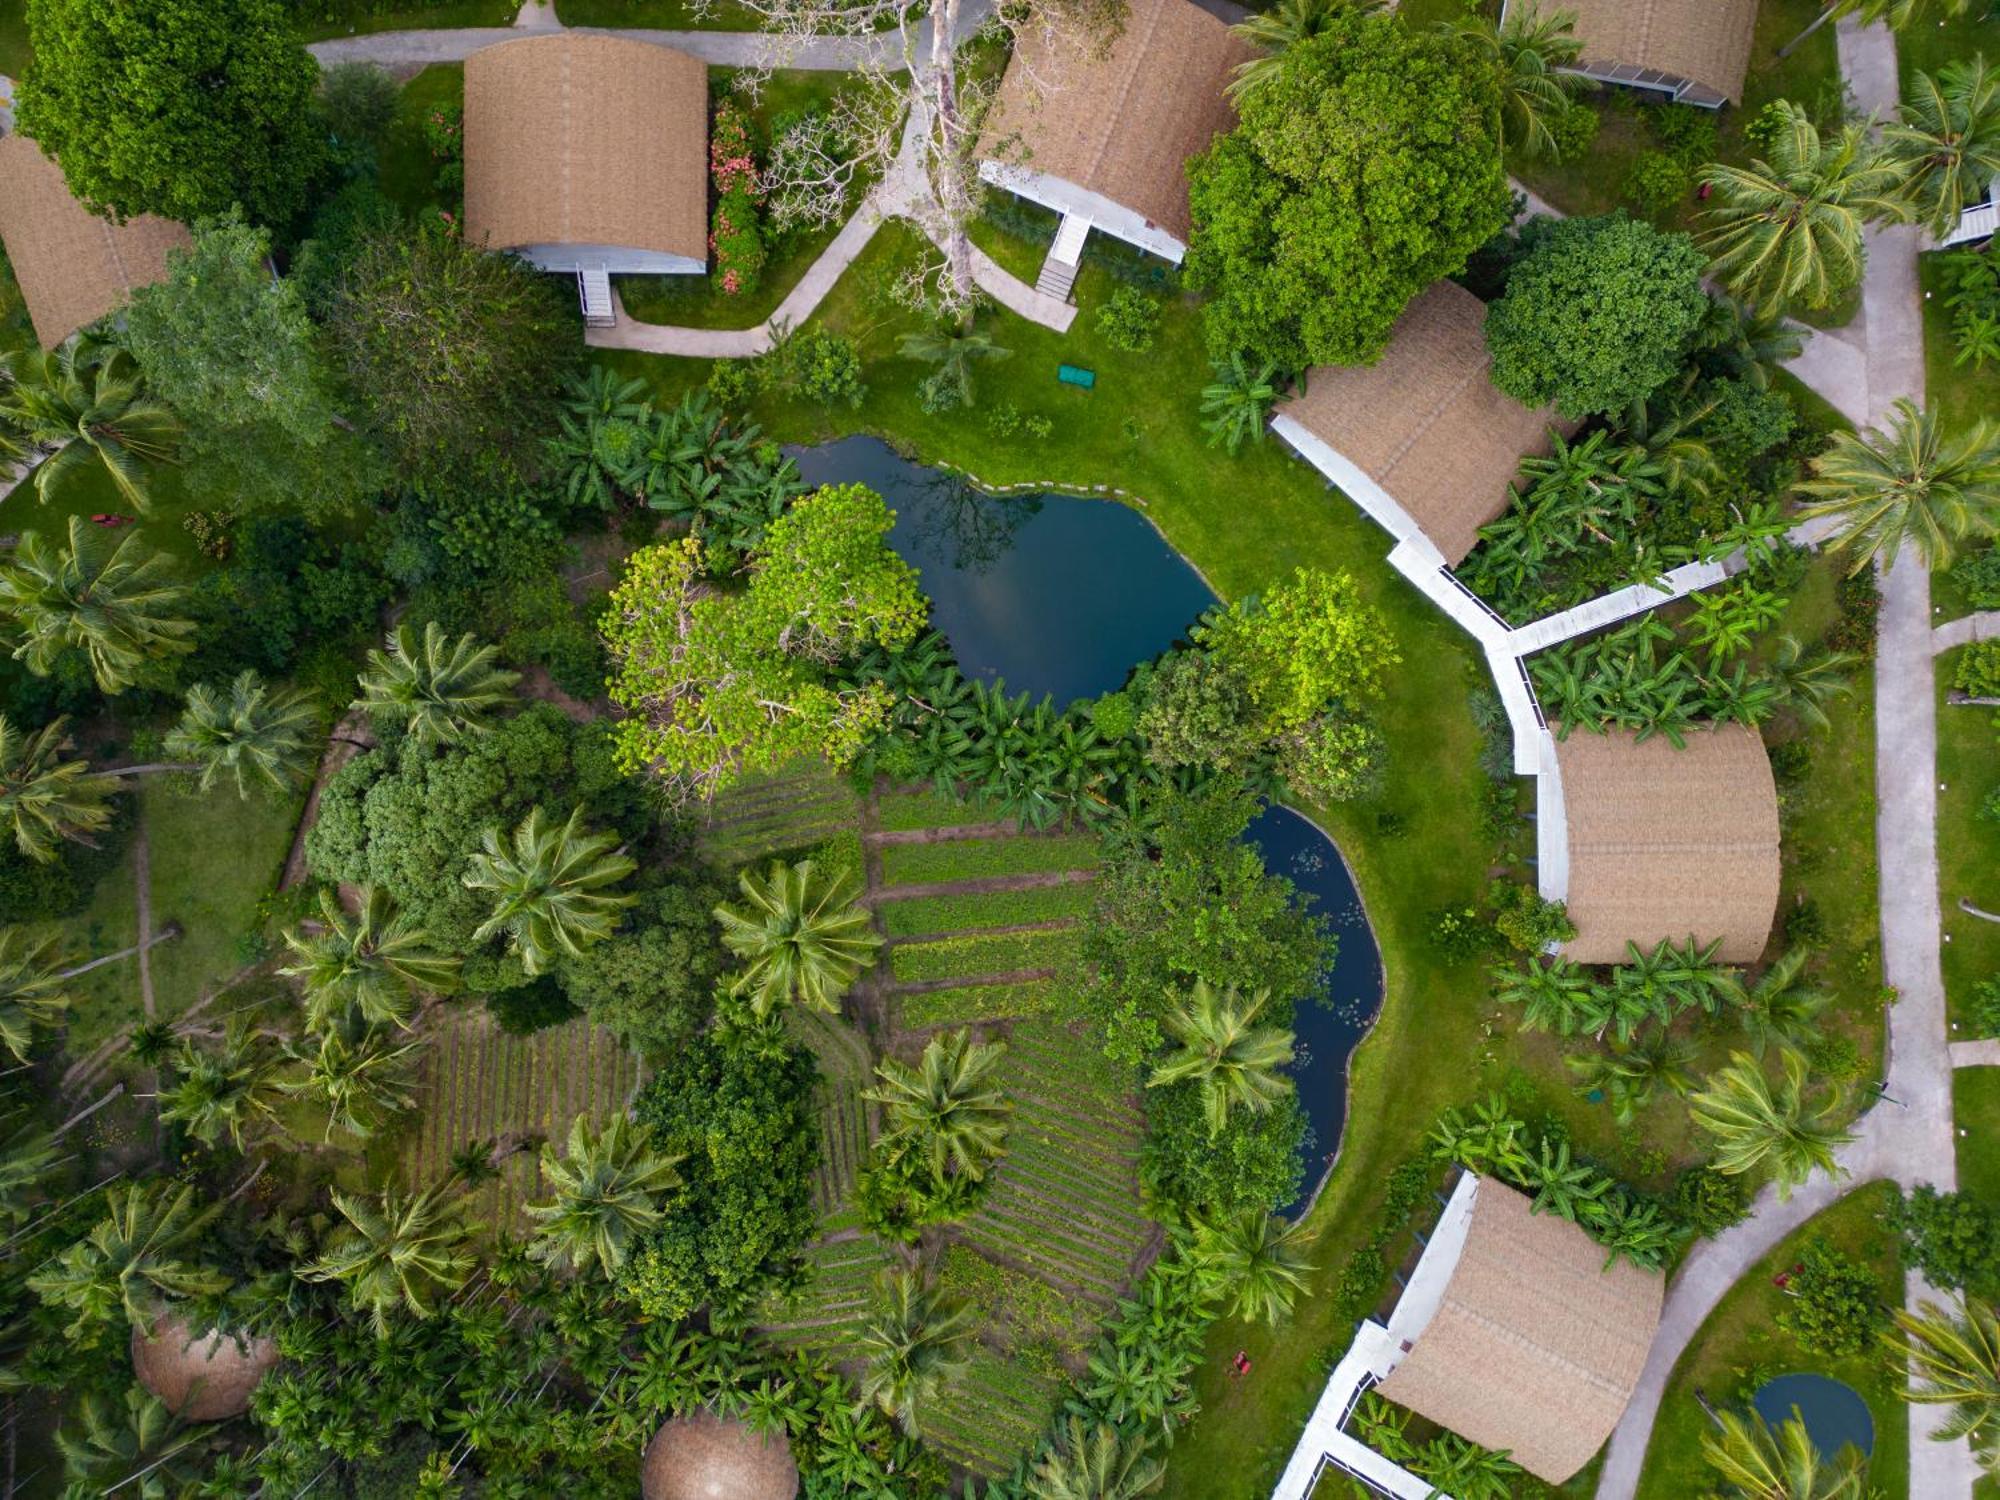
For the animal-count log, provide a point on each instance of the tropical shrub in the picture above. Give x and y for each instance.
(1977, 573)
(1972, 293)
(1655, 182)
(1953, 1238)
(1833, 1304)
(1129, 320)
(1252, 1163)
(1978, 670)
(737, 251)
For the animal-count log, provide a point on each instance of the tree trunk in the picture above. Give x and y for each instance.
(950, 147)
(150, 767)
(165, 934)
(1825, 15)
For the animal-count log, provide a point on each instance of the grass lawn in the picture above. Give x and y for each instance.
(1928, 46)
(1740, 1346)
(15, 51)
(1968, 845)
(408, 174)
(1976, 1105)
(1962, 393)
(667, 15)
(325, 19)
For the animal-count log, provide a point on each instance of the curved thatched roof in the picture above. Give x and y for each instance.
(200, 1379)
(705, 1457)
(1702, 41)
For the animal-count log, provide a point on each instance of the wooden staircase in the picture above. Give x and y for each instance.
(1065, 258)
(593, 284)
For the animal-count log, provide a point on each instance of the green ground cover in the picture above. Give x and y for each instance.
(666, 15)
(16, 53)
(787, 812)
(926, 808)
(959, 1005)
(409, 176)
(1968, 771)
(934, 914)
(1935, 41)
(968, 957)
(1975, 1095)
(971, 859)
(323, 20)
(1740, 1347)
(1962, 393)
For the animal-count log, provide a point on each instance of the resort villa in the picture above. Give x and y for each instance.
(588, 155)
(1511, 1331)
(74, 266)
(1690, 51)
(1104, 140)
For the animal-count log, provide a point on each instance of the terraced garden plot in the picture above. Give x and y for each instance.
(781, 813)
(926, 915)
(974, 859)
(994, 1411)
(480, 1084)
(962, 1004)
(832, 1303)
(911, 808)
(970, 955)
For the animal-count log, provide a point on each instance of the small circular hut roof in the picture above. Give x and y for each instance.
(705, 1457)
(201, 1379)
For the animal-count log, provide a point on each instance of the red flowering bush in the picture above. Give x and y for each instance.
(736, 247)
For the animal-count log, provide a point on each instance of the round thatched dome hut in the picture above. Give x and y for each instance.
(705, 1457)
(201, 1379)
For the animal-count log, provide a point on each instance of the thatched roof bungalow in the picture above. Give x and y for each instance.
(1104, 139)
(201, 1378)
(588, 154)
(1669, 844)
(73, 266)
(1518, 1336)
(1692, 51)
(702, 1456)
(1422, 439)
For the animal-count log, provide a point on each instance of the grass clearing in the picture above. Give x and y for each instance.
(1975, 1096)
(666, 15)
(973, 859)
(409, 176)
(1963, 393)
(905, 811)
(16, 51)
(326, 19)
(1968, 772)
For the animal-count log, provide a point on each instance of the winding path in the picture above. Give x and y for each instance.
(1909, 1136)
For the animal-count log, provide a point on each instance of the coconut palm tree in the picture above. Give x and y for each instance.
(134, 1447)
(1781, 1010)
(137, 1257)
(800, 934)
(550, 887)
(1946, 145)
(1528, 51)
(441, 691)
(1235, 402)
(355, 1075)
(396, 1253)
(1755, 342)
(32, 990)
(44, 798)
(222, 1090)
(956, 352)
(85, 404)
(915, 1340)
(607, 1192)
(1953, 1356)
(1758, 1463)
(1788, 230)
(945, 1111)
(111, 600)
(372, 963)
(26, 1156)
(1277, 30)
(1096, 1462)
(1913, 484)
(249, 732)
(1630, 1074)
(1756, 1124)
(1256, 1259)
(1223, 1049)
(1808, 682)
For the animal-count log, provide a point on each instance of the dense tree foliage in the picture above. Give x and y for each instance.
(1364, 170)
(1954, 1238)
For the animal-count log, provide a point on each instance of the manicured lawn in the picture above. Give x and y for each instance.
(15, 51)
(666, 15)
(409, 176)
(1928, 46)
(1740, 1339)
(1968, 844)
(1976, 1105)
(1962, 393)
(325, 19)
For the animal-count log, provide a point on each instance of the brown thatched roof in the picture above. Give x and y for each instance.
(1667, 843)
(1123, 124)
(705, 1457)
(1536, 1346)
(1425, 422)
(73, 266)
(202, 1379)
(1703, 41)
(586, 140)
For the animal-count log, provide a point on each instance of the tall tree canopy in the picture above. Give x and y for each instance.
(1367, 168)
(174, 107)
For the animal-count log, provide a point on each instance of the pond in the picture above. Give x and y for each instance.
(1833, 1411)
(1063, 596)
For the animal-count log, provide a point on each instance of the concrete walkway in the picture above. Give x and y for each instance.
(1984, 626)
(1910, 1140)
(1984, 1053)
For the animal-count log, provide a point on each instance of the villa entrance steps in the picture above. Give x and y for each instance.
(593, 285)
(1065, 258)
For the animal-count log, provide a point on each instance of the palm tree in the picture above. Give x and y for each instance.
(1630, 1074)
(134, 1259)
(85, 401)
(136, 1447)
(1808, 683)
(915, 1340)
(550, 887)
(1234, 1060)
(112, 600)
(1529, 52)
(1788, 230)
(606, 1195)
(356, 1076)
(1257, 1259)
(1233, 405)
(252, 731)
(945, 1109)
(1554, 993)
(1755, 342)
(221, 1091)
(1096, 1463)
(1779, 1010)
(1954, 1360)
(1277, 30)
(801, 937)
(955, 351)
(43, 797)
(396, 1253)
(1755, 1124)
(1912, 484)
(1562, 1185)
(441, 691)
(32, 990)
(1898, 13)
(372, 963)
(1759, 1464)
(1946, 146)
(27, 1154)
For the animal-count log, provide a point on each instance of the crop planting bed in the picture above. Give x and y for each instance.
(962, 1004)
(976, 859)
(995, 1410)
(911, 808)
(926, 916)
(785, 812)
(480, 1084)
(970, 954)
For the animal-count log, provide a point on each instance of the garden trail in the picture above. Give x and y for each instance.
(1984, 626)
(1908, 1137)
